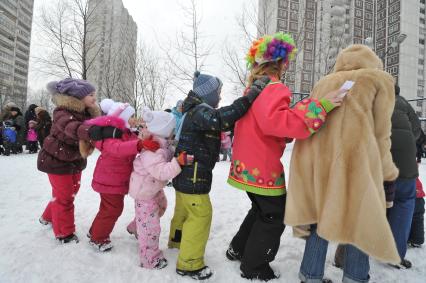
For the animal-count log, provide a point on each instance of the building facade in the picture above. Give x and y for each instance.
(15, 37)
(328, 26)
(114, 36)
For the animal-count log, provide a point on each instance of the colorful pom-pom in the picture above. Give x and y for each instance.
(270, 48)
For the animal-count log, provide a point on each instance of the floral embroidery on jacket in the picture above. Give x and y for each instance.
(239, 171)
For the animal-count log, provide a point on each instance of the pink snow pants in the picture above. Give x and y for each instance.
(147, 217)
(60, 210)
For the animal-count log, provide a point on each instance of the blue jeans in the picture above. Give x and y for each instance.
(355, 269)
(400, 214)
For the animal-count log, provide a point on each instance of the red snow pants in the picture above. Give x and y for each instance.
(60, 210)
(110, 209)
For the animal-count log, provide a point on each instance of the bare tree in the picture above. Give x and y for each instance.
(40, 97)
(152, 80)
(189, 51)
(68, 35)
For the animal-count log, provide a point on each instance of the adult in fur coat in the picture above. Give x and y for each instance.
(336, 177)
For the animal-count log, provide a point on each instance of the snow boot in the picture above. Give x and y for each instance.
(68, 239)
(267, 275)
(43, 221)
(200, 274)
(404, 264)
(162, 262)
(233, 255)
(134, 233)
(102, 247)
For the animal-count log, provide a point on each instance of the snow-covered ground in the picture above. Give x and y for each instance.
(29, 253)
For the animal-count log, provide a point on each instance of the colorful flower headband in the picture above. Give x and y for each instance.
(271, 48)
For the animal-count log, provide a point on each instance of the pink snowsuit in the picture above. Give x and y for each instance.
(151, 171)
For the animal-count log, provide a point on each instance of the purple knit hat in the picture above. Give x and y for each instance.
(71, 87)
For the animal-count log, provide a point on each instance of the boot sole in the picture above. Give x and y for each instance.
(232, 257)
(192, 275)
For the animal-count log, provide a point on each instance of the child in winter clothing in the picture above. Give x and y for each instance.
(60, 156)
(417, 232)
(151, 171)
(32, 140)
(9, 137)
(259, 143)
(199, 135)
(113, 168)
(226, 143)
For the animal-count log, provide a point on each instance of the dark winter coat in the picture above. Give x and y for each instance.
(60, 153)
(405, 131)
(420, 142)
(200, 136)
(21, 129)
(30, 114)
(44, 123)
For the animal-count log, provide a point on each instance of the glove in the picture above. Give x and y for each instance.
(185, 159)
(257, 87)
(98, 133)
(148, 144)
(389, 187)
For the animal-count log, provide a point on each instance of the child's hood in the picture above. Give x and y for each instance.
(104, 121)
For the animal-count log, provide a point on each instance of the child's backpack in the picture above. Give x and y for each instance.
(9, 133)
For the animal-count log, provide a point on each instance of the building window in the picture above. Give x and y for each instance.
(421, 61)
(293, 26)
(283, 4)
(422, 20)
(358, 13)
(422, 41)
(294, 16)
(282, 25)
(422, 1)
(282, 14)
(422, 11)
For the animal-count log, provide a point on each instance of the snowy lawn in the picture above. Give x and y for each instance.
(29, 253)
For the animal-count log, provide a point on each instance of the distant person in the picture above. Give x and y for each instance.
(20, 127)
(32, 139)
(406, 129)
(177, 112)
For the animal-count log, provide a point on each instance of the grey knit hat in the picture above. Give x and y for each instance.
(72, 87)
(207, 88)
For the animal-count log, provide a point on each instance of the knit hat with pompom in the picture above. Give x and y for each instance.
(118, 109)
(208, 88)
(71, 87)
(159, 123)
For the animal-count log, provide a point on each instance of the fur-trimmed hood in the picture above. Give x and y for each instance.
(357, 57)
(73, 104)
(104, 121)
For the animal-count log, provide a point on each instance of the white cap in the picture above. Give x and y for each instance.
(159, 123)
(118, 109)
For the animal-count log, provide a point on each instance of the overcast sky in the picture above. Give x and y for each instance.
(162, 19)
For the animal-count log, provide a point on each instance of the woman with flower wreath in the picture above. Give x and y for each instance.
(259, 143)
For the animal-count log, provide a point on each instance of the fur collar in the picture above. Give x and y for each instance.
(74, 104)
(104, 121)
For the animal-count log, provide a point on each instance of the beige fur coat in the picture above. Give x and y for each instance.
(336, 176)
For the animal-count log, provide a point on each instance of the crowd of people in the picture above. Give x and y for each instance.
(18, 131)
(353, 175)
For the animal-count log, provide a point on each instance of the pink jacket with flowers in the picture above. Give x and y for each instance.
(114, 166)
(151, 171)
(259, 138)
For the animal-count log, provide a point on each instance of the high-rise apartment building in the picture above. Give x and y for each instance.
(114, 34)
(321, 29)
(15, 37)
(405, 61)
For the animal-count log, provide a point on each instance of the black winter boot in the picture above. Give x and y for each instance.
(200, 274)
(68, 239)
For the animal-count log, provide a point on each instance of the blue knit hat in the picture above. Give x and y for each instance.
(207, 88)
(71, 87)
